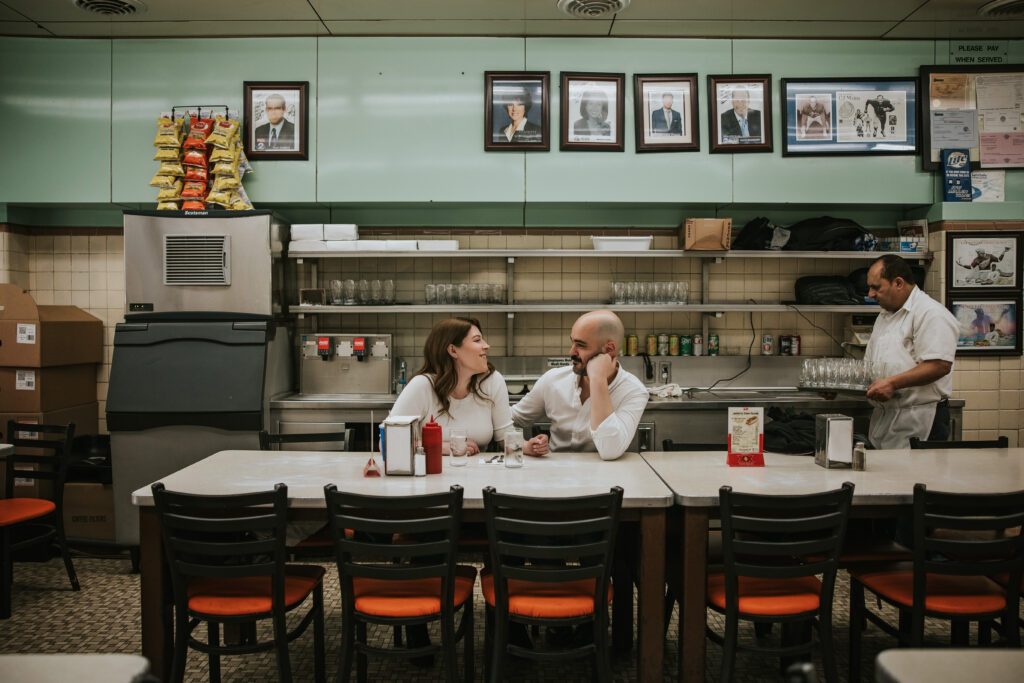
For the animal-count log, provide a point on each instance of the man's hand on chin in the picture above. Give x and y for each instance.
(601, 366)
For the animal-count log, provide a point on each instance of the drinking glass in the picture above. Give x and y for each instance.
(646, 292)
(459, 447)
(498, 293)
(350, 292)
(429, 293)
(683, 292)
(376, 292)
(389, 291)
(514, 448)
(463, 293)
(336, 292)
(619, 292)
(364, 291)
(632, 292)
(661, 292)
(449, 294)
(442, 296)
(474, 293)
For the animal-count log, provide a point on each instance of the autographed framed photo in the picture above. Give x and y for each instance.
(276, 119)
(592, 111)
(849, 116)
(516, 110)
(740, 113)
(666, 113)
(988, 261)
(987, 325)
(975, 107)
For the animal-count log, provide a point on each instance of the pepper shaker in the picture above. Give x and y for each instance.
(859, 453)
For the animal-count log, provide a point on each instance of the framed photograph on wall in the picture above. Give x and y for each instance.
(975, 107)
(987, 261)
(516, 111)
(592, 111)
(740, 113)
(988, 324)
(276, 119)
(826, 116)
(666, 113)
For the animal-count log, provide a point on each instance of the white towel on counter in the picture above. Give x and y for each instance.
(307, 245)
(307, 231)
(341, 231)
(666, 391)
(340, 245)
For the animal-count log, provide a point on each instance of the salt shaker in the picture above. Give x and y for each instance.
(859, 462)
(419, 462)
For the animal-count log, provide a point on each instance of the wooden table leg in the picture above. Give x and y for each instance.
(623, 575)
(650, 615)
(157, 623)
(692, 614)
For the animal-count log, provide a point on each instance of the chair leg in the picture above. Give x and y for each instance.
(360, 654)
(488, 641)
(467, 638)
(602, 663)
(959, 632)
(62, 543)
(284, 665)
(729, 646)
(319, 656)
(856, 621)
(828, 650)
(499, 640)
(6, 574)
(985, 632)
(180, 646)
(347, 647)
(213, 639)
(448, 643)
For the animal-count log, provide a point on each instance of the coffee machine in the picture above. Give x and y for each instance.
(336, 363)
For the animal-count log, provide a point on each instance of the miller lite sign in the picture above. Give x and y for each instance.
(956, 175)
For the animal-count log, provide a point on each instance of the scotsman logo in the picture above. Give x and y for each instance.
(957, 160)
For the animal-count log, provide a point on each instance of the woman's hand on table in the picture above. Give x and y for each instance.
(538, 445)
(471, 447)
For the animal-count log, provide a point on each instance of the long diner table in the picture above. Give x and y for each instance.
(886, 485)
(645, 501)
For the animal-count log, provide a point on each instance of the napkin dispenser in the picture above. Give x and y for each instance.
(833, 440)
(399, 444)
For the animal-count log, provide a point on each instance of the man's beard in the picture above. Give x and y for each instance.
(578, 366)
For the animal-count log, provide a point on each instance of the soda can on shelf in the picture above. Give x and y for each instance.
(673, 344)
(685, 345)
(662, 344)
(652, 345)
(632, 345)
(785, 344)
(698, 345)
(712, 344)
(767, 345)
(794, 345)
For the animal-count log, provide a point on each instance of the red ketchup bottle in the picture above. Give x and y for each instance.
(432, 446)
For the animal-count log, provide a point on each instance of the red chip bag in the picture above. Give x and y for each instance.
(194, 189)
(194, 157)
(196, 173)
(193, 205)
(199, 128)
(194, 143)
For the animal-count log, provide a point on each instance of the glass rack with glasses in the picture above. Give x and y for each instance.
(841, 374)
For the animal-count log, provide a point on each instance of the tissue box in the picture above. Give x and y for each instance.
(307, 231)
(833, 440)
(341, 231)
(706, 234)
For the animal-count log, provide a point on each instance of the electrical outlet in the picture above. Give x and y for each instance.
(664, 371)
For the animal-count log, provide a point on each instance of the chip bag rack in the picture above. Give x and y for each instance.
(201, 159)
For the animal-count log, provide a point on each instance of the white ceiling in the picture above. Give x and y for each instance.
(868, 19)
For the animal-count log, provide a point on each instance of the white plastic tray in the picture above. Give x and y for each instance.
(622, 243)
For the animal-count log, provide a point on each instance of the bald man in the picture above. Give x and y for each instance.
(594, 404)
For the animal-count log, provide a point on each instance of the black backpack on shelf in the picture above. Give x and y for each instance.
(758, 234)
(824, 233)
(826, 290)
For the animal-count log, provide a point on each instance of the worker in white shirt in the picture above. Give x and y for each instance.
(594, 404)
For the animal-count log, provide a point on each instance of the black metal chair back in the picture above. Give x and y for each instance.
(319, 441)
(24, 464)
(1001, 442)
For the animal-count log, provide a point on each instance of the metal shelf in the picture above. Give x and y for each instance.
(593, 253)
(582, 307)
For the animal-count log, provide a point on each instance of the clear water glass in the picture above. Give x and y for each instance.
(389, 291)
(429, 294)
(514, 448)
(458, 443)
(376, 292)
(618, 292)
(683, 292)
(474, 293)
(336, 292)
(498, 293)
(364, 291)
(350, 292)
(632, 292)
(450, 294)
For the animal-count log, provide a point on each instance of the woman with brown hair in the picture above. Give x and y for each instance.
(458, 385)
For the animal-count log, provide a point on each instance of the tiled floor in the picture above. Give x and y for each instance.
(104, 617)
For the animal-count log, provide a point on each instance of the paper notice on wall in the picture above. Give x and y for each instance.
(954, 129)
(988, 186)
(1002, 150)
(26, 333)
(25, 380)
(1000, 120)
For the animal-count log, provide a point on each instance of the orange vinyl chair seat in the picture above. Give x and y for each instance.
(412, 598)
(768, 596)
(552, 600)
(945, 593)
(236, 597)
(17, 510)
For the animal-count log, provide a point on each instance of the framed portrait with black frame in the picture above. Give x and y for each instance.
(666, 117)
(516, 112)
(849, 116)
(984, 261)
(740, 113)
(975, 107)
(276, 119)
(592, 111)
(988, 324)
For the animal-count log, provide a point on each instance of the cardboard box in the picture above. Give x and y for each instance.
(42, 336)
(85, 418)
(46, 389)
(706, 234)
(89, 511)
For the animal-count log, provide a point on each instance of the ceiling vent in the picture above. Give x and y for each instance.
(592, 9)
(112, 8)
(1002, 8)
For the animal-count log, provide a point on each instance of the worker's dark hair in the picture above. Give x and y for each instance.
(893, 267)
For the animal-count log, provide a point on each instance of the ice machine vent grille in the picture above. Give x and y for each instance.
(197, 260)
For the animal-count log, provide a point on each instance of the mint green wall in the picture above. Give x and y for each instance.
(396, 128)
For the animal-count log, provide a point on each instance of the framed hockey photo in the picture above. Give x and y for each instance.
(276, 119)
(983, 261)
(666, 113)
(516, 110)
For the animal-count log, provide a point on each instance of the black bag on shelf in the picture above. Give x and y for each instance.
(826, 290)
(824, 233)
(760, 233)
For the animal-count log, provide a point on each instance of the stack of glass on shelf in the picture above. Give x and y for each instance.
(463, 293)
(650, 292)
(363, 292)
(841, 374)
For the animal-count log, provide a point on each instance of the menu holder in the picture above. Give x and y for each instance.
(746, 437)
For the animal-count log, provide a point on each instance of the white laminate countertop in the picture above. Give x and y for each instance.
(80, 668)
(306, 473)
(889, 479)
(949, 666)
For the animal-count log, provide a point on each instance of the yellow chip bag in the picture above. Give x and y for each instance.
(171, 168)
(167, 154)
(226, 182)
(172, 192)
(220, 198)
(168, 132)
(223, 133)
(167, 206)
(162, 180)
(222, 154)
(226, 168)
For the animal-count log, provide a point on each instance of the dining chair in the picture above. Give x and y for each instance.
(950, 577)
(415, 581)
(1001, 442)
(773, 548)
(30, 521)
(551, 559)
(226, 557)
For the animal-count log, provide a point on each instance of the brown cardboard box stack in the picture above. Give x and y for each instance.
(706, 234)
(48, 363)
